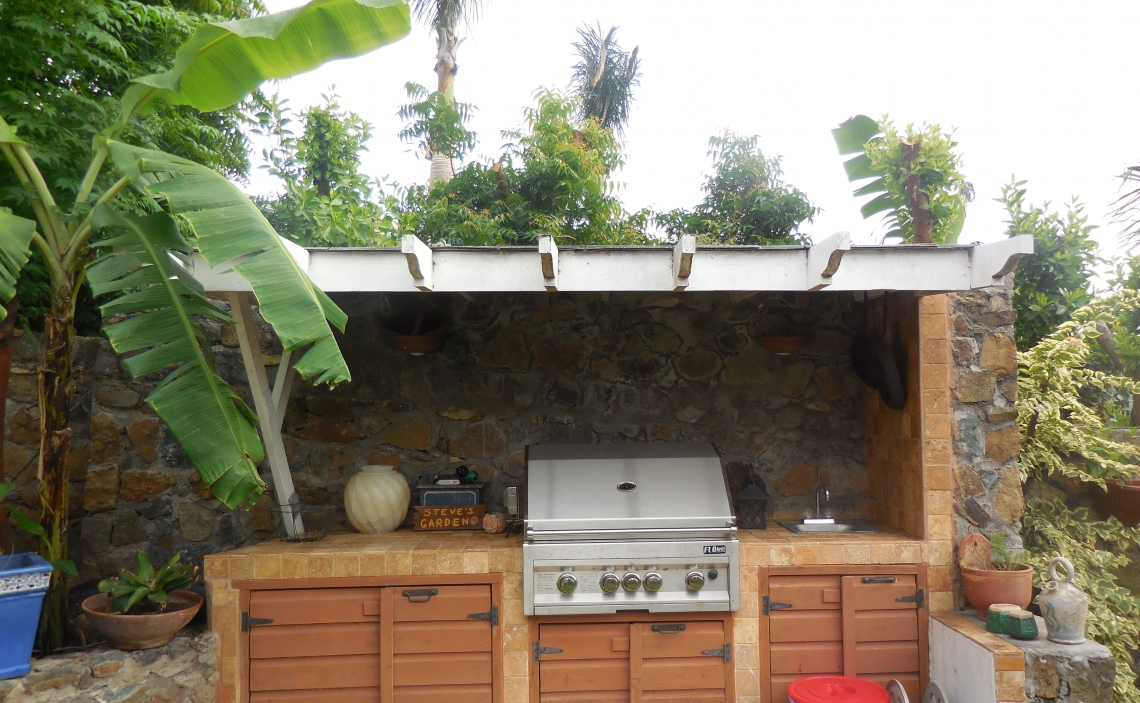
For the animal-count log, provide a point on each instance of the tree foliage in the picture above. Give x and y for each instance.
(436, 125)
(327, 200)
(63, 65)
(604, 78)
(554, 178)
(1064, 436)
(1054, 280)
(746, 199)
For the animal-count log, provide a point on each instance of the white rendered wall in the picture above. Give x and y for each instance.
(964, 669)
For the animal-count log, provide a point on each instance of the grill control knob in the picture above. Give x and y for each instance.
(653, 582)
(631, 582)
(567, 583)
(695, 580)
(609, 583)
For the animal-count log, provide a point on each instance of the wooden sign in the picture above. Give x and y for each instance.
(448, 517)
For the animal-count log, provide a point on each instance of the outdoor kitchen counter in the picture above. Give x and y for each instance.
(454, 557)
(475, 552)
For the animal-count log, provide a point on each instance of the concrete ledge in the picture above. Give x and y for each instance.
(1067, 673)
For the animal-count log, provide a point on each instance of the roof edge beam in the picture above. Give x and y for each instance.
(989, 263)
(683, 253)
(418, 255)
(823, 259)
(548, 253)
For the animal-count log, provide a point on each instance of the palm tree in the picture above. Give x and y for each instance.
(444, 17)
(604, 78)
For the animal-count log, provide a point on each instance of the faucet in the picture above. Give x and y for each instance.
(826, 497)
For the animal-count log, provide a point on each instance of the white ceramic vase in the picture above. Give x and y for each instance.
(376, 499)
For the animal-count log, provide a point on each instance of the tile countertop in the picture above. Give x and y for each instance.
(474, 551)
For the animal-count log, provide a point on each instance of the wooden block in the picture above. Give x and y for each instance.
(451, 517)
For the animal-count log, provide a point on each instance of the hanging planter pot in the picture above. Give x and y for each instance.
(1122, 501)
(416, 334)
(783, 345)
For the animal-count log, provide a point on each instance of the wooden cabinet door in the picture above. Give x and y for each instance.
(881, 639)
(865, 625)
(805, 629)
(678, 662)
(591, 665)
(433, 649)
(319, 646)
(658, 662)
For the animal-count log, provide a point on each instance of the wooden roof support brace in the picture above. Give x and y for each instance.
(989, 263)
(264, 403)
(824, 259)
(548, 252)
(418, 255)
(683, 261)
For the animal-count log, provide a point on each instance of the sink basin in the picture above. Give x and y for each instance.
(826, 528)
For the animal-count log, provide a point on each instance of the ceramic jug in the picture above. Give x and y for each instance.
(1063, 605)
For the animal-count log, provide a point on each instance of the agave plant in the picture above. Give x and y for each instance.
(146, 590)
(604, 78)
(141, 258)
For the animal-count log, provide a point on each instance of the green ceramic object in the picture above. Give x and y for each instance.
(1022, 625)
(998, 618)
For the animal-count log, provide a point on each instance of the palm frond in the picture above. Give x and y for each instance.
(604, 78)
(446, 13)
(1127, 210)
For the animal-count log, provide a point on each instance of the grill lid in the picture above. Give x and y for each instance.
(605, 489)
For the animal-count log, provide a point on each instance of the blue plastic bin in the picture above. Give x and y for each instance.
(24, 579)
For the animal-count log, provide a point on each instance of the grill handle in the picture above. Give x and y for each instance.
(633, 530)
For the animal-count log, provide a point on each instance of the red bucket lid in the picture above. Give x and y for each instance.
(836, 689)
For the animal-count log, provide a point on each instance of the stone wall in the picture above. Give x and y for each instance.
(988, 494)
(184, 671)
(516, 370)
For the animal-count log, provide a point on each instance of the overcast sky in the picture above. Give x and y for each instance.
(1043, 90)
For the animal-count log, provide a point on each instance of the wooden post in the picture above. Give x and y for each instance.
(265, 405)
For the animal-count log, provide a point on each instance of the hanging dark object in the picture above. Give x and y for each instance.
(415, 334)
(875, 365)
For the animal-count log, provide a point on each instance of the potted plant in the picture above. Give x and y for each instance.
(144, 609)
(991, 573)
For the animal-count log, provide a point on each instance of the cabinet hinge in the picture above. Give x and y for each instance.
(248, 622)
(726, 653)
(492, 615)
(919, 599)
(539, 650)
(770, 605)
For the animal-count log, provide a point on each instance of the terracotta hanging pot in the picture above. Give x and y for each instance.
(1122, 501)
(416, 334)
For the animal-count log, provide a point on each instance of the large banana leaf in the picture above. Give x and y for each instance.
(15, 236)
(162, 302)
(225, 61)
(850, 137)
(15, 248)
(229, 226)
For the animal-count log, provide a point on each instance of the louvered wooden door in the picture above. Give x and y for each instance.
(409, 644)
(438, 651)
(320, 646)
(805, 629)
(658, 662)
(881, 633)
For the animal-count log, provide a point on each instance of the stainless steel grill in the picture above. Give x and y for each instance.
(628, 527)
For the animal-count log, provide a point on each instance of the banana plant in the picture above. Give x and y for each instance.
(142, 259)
(913, 176)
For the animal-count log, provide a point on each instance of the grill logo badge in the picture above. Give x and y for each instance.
(716, 549)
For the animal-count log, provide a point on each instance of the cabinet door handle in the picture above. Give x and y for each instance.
(420, 595)
(880, 579)
(671, 629)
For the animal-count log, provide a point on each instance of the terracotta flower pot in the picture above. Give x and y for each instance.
(1122, 501)
(131, 632)
(984, 587)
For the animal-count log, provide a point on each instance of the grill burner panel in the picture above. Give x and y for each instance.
(628, 528)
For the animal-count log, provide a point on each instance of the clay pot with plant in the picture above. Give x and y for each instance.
(146, 608)
(992, 573)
